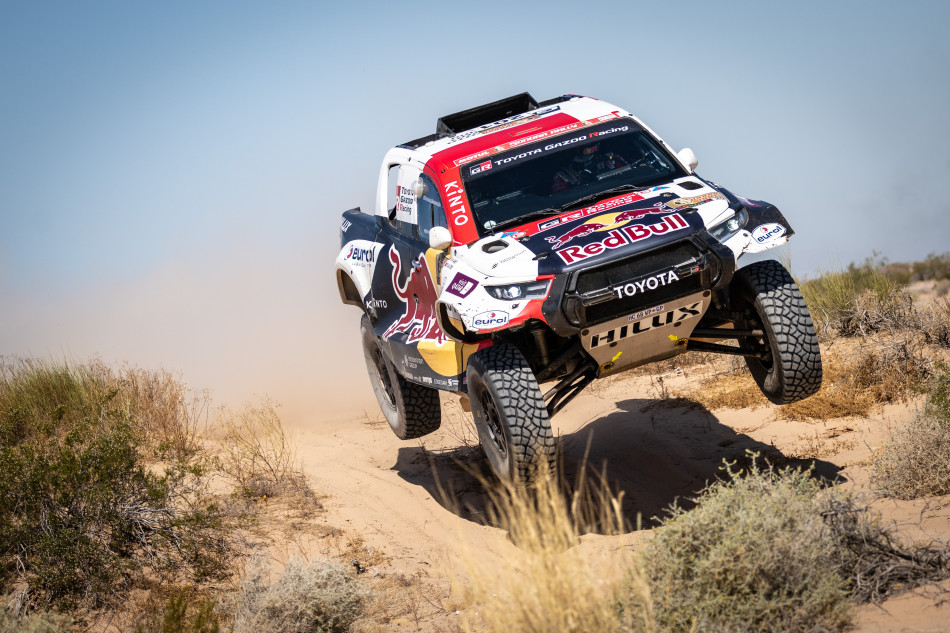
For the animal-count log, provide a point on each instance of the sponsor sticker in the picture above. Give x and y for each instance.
(461, 286)
(693, 201)
(361, 253)
(490, 319)
(456, 206)
(480, 167)
(600, 223)
(765, 233)
(618, 237)
(418, 320)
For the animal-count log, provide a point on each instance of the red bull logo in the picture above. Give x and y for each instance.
(603, 222)
(618, 237)
(419, 295)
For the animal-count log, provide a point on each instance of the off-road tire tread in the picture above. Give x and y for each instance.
(519, 397)
(418, 409)
(780, 303)
(421, 406)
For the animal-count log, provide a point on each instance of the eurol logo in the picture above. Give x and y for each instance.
(477, 169)
(767, 232)
(490, 319)
(358, 254)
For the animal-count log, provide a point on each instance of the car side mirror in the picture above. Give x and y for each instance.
(439, 238)
(688, 157)
(419, 188)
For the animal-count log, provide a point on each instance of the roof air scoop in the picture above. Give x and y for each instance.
(481, 115)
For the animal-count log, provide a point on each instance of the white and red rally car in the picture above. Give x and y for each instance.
(557, 242)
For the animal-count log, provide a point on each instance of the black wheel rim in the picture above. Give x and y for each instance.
(384, 376)
(493, 420)
(754, 321)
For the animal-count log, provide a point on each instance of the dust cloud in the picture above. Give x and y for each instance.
(244, 321)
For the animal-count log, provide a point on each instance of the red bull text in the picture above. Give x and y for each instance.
(620, 236)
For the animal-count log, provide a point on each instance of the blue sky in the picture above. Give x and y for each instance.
(171, 174)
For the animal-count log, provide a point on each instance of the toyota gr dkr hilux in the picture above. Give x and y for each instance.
(555, 243)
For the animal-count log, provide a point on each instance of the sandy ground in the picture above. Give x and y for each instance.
(420, 505)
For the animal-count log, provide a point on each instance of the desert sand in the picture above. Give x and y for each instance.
(420, 505)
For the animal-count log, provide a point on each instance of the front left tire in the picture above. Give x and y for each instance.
(514, 429)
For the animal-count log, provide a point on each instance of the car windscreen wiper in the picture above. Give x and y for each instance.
(527, 217)
(600, 195)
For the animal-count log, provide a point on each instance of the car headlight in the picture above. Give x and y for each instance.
(511, 292)
(724, 230)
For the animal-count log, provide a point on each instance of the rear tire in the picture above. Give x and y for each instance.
(411, 410)
(768, 297)
(513, 425)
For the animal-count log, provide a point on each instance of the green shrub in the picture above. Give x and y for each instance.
(310, 597)
(770, 550)
(753, 555)
(81, 517)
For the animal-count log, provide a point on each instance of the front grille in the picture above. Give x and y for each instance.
(643, 265)
(592, 297)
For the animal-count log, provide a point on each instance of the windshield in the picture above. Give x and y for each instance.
(544, 177)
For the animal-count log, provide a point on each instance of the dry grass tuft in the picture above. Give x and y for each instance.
(40, 622)
(309, 597)
(545, 582)
(860, 300)
(730, 391)
(256, 452)
(859, 378)
(916, 460)
(935, 322)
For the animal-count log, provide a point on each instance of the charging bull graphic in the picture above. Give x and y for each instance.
(419, 295)
(603, 222)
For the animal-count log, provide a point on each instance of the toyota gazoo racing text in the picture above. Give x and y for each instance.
(555, 243)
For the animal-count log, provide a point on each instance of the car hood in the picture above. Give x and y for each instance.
(612, 228)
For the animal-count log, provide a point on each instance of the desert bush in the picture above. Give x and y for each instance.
(857, 301)
(768, 550)
(81, 517)
(753, 555)
(935, 323)
(544, 582)
(871, 556)
(309, 597)
(256, 452)
(915, 462)
(932, 267)
(858, 376)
